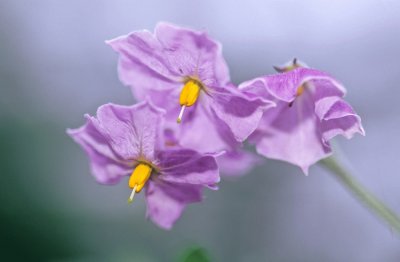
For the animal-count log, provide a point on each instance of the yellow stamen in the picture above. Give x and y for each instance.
(138, 179)
(300, 90)
(189, 94)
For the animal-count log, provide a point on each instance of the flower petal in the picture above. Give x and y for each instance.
(142, 64)
(166, 201)
(337, 118)
(133, 131)
(185, 166)
(283, 86)
(106, 166)
(292, 134)
(241, 113)
(200, 130)
(193, 53)
(299, 128)
(237, 163)
(162, 60)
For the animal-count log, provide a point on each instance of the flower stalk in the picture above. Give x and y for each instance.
(375, 205)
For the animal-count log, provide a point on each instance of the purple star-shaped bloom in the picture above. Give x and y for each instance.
(124, 140)
(183, 71)
(310, 111)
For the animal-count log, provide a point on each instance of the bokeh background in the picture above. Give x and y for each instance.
(54, 67)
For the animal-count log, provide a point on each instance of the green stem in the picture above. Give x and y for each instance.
(374, 204)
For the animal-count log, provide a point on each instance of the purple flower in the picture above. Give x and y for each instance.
(183, 71)
(125, 141)
(310, 111)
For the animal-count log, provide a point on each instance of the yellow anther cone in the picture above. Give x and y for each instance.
(189, 94)
(140, 176)
(300, 90)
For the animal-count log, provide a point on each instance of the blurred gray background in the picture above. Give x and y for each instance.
(54, 67)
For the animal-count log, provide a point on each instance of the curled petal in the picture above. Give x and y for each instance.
(309, 112)
(337, 118)
(284, 86)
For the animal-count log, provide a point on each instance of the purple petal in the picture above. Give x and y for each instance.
(284, 86)
(239, 112)
(237, 163)
(118, 137)
(337, 118)
(193, 53)
(142, 64)
(106, 166)
(200, 130)
(292, 134)
(162, 60)
(133, 131)
(232, 163)
(186, 166)
(299, 128)
(166, 201)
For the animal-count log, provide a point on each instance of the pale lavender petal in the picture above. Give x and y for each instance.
(298, 130)
(202, 131)
(132, 131)
(241, 113)
(232, 163)
(106, 166)
(166, 99)
(186, 166)
(283, 86)
(142, 63)
(237, 163)
(193, 53)
(166, 201)
(255, 88)
(294, 136)
(197, 118)
(164, 59)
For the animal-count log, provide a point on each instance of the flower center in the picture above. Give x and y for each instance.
(189, 94)
(138, 179)
(300, 90)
